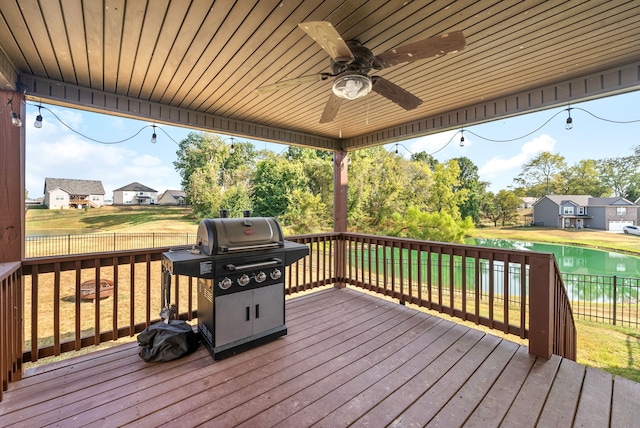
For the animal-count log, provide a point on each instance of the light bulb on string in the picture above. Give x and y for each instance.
(15, 119)
(569, 124)
(462, 138)
(154, 137)
(38, 122)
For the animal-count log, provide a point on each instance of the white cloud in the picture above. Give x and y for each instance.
(497, 165)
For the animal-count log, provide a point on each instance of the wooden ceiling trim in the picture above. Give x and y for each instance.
(614, 81)
(275, 45)
(131, 31)
(94, 30)
(113, 22)
(167, 35)
(228, 41)
(514, 72)
(26, 47)
(213, 36)
(74, 30)
(154, 18)
(291, 45)
(46, 90)
(54, 26)
(200, 53)
(191, 21)
(8, 74)
(248, 52)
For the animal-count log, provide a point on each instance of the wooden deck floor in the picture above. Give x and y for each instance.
(349, 359)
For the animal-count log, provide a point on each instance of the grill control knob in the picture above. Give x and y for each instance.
(244, 280)
(276, 274)
(225, 283)
(261, 276)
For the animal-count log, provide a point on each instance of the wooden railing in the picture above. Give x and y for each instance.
(10, 324)
(517, 292)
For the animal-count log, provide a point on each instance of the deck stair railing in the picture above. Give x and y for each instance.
(519, 293)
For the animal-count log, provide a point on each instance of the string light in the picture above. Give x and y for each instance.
(569, 124)
(38, 122)
(462, 138)
(154, 137)
(15, 119)
(232, 149)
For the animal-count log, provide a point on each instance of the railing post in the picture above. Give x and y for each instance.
(541, 305)
(615, 297)
(340, 261)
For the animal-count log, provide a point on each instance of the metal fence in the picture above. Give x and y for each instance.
(62, 245)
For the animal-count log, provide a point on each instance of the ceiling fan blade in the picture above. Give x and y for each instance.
(326, 36)
(331, 109)
(395, 93)
(433, 46)
(292, 82)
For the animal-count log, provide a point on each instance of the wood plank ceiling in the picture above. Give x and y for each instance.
(197, 63)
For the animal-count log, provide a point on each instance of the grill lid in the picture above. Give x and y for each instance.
(226, 235)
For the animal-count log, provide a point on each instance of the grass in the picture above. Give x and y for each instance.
(613, 349)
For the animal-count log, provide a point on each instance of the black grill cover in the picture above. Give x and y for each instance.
(166, 342)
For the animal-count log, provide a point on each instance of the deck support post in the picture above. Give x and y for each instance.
(12, 177)
(340, 180)
(541, 305)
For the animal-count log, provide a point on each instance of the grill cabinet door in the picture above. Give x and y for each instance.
(268, 307)
(244, 314)
(234, 317)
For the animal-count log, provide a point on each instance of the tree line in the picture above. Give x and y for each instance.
(418, 197)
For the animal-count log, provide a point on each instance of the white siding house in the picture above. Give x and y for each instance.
(135, 194)
(61, 193)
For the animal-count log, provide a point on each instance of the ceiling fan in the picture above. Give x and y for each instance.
(351, 63)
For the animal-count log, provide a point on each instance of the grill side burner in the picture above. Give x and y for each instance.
(240, 265)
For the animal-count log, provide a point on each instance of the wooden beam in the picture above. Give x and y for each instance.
(12, 184)
(81, 98)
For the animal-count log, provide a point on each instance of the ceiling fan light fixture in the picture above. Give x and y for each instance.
(352, 86)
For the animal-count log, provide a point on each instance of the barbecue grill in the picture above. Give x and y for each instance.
(240, 265)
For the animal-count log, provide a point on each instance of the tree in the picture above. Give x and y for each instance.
(501, 207)
(470, 182)
(443, 195)
(583, 178)
(209, 169)
(542, 174)
(273, 181)
(621, 174)
(433, 226)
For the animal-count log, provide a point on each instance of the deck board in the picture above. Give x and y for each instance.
(349, 359)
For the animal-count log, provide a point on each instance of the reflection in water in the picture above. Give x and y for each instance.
(574, 260)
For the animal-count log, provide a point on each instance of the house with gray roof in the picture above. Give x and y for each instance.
(173, 197)
(584, 211)
(135, 194)
(62, 193)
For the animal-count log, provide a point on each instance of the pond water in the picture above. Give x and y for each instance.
(574, 260)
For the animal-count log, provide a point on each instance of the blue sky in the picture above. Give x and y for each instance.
(56, 151)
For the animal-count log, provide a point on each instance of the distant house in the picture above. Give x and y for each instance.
(527, 202)
(578, 211)
(173, 197)
(61, 193)
(135, 194)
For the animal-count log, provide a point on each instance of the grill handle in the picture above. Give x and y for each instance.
(233, 268)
